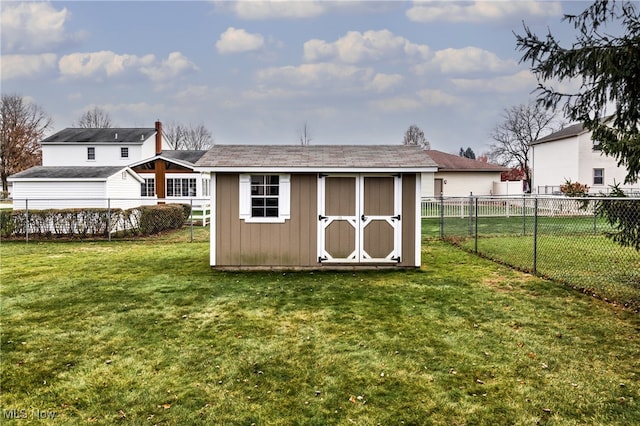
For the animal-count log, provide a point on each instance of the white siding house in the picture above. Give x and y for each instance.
(99, 147)
(75, 187)
(571, 155)
(460, 176)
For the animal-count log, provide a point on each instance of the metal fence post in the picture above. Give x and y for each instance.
(524, 215)
(109, 219)
(191, 217)
(595, 216)
(441, 216)
(26, 222)
(535, 235)
(470, 207)
(476, 232)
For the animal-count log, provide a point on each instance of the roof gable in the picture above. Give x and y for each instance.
(108, 135)
(316, 157)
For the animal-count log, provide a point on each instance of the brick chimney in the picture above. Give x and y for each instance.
(158, 137)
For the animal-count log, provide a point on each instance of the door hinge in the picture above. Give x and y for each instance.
(397, 259)
(322, 175)
(321, 259)
(395, 217)
(320, 217)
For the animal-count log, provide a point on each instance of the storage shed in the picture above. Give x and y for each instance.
(314, 207)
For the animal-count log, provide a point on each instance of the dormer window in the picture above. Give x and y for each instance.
(124, 152)
(91, 153)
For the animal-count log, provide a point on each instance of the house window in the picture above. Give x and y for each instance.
(596, 146)
(264, 198)
(148, 187)
(598, 176)
(91, 153)
(181, 187)
(124, 152)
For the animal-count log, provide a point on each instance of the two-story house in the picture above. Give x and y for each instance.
(571, 154)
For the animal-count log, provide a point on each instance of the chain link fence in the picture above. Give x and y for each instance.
(102, 219)
(590, 243)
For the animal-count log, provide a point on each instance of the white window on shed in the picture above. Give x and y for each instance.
(91, 153)
(124, 152)
(265, 198)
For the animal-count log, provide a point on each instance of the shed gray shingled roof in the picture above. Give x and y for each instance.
(124, 135)
(455, 163)
(316, 157)
(41, 172)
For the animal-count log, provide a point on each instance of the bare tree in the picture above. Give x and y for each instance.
(521, 125)
(304, 135)
(23, 124)
(95, 117)
(415, 136)
(179, 136)
(197, 138)
(174, 135)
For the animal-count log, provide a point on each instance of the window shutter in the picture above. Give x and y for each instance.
(245, 196)
(285, 197)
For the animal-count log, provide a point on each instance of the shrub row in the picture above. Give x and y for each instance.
(92, 222)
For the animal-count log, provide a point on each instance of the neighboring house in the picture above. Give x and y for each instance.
(571, 154)
(163, 174)
(58, 187)
(460, 176)
(100, 147)
(170, 174)
(315, 206)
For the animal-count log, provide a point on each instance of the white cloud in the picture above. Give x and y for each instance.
(330, 76)
(396, 104)
(101, 64)
(175, 65)
(521, 81)
(435, 97)
(33, 27)
(480, 11)
(278, 9)
(355, 47)
(26, 66)
(238, 40)
(465, 60)
(384, 82)
(135, 110)
(108, 64)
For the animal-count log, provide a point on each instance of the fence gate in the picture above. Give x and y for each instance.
(359, 218)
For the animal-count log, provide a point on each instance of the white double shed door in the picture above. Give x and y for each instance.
(359, 218)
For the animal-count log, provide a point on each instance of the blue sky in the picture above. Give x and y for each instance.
(254, 72)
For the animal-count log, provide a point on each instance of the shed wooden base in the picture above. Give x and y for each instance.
(331, 267)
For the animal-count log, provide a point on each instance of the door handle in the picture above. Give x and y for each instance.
(363, 218)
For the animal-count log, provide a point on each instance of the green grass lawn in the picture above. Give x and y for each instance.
(145, 333)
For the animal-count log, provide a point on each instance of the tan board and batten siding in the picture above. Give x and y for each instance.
(294, 243)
